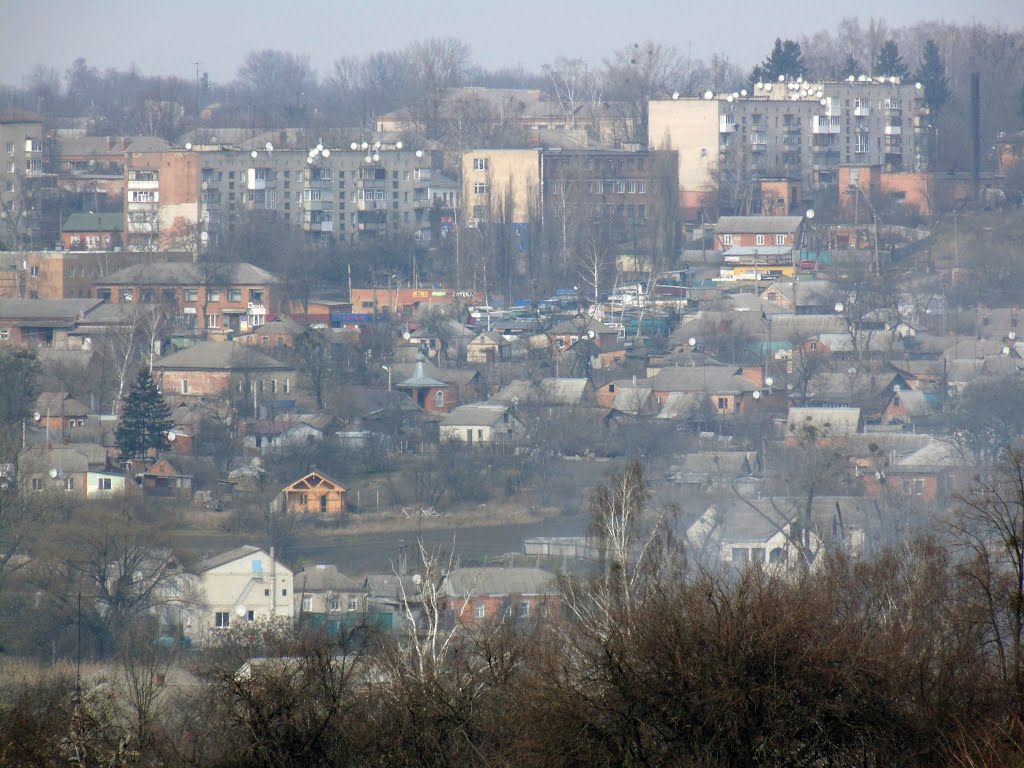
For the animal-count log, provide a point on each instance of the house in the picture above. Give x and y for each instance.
(59, 414)
(215, 299)
(63, 469)
(275, 434)
(481, 595)
(911, 407)
(162, 479)
(323, 589)
(438, 337)
(488, 347)
(489, 423)
(548, 392)
(465, 384)
(565, 334)
(708, 471)
(727, 390)
(240, 586)
(315, 495)
(821, 423)
(92, 231)
(763, 531)
(428, 393)
(280, 332)
(781, 234)
(803, 297)
(219, 369)
(100, 483)
(866, 346)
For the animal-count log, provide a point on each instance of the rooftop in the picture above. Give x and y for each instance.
(219, 355)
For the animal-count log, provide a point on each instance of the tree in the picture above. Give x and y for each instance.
(146, 419)
(313, 352)
(19, 372)
(785, 60)
(850, 67)
(573, 85)
(932, 76)
(637, 73)
(438, 64)
(986, 418)
(279, 82)
(889, 63)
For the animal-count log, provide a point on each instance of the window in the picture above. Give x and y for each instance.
(10, 148)
(191, 294)
(103, 484)
(284, 593)
(266, 593)
(740, 555)
(723, 403)
(69, 484)
(726, 239)
(481, 611)
(250, 616)
(335, 604)
(353, 605)
(256, 294)
(439, 398)
(524, 610)
(213, 321)
(5, 334)
(213, 294)
(127, 294)
(760, 239)
(307, 604)
(480, 188)
(287, 386)
(780, 239)
(184, 386)
(222, 619)
(234, 294)
(37, 484)
(480, 163)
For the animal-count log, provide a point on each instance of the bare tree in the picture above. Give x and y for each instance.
(573, 85)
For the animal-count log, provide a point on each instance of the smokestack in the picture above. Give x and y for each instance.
(976, 135)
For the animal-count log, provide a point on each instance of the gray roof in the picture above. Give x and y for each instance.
(390, 586)
(760, 519)
(60, 404)
(228, 557)
(188, 273)
(873, 342)
(918, 403)
(832, 421)
(39, 460)
(321, 578)
(809, 293)
(499, 581)
(679, 405)
(475, 415)
(52, 310)
(454, 376)
(769, 225)
(419, 379)
(549, 391)
(219, 355)
(717, 379)
(630, 399)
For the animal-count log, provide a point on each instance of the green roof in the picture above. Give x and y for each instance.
(112, 221)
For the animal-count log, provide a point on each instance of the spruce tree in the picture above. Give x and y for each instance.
(145, 421)
(785, 60)
(889, 62)
(932, 76)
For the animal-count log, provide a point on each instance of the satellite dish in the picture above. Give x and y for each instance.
(769, 381)
(319, 147)
(376, 145)
(800, 78)
(590, 334)
(353, 145)
(240, 611)
(398, 145)
(675, 95)
(406, 335)
(253, 154)
(823, 102)
(417, 579)
(782, 78)
(309, 160)
(756, 394)
(269, 147)
(850, 79)
(708, 94)
(918, 86)
(896, 388)
(188, 145)
(743, 92)
(326, 153)
(729, 99)
(1006, 350)
(54, 473)
(172, 436)
(810, 213)
(367, 159)
(365, 145)
(376, 157)
(419, 153)
(36, 416)
(692, 341)
(1011, 335)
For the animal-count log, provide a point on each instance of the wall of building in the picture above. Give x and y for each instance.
(509, 172)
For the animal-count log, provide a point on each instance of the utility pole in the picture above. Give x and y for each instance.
(195, 136)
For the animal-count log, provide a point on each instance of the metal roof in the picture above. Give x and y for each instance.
(756, 225)
(219, 355)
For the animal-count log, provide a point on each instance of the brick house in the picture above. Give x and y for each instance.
(219, 369)
(480, 595)
(60, 413)
(211, 299)
(758, 231)
(324, 589)
(315, 495)
(41, 322)
(430, 394)
(92, 231)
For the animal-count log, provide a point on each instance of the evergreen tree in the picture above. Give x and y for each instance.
(888, 62)
(145, 421)
(851, 67)
(932, 76)
(785, 60)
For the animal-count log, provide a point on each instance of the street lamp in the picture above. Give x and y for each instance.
(388, 369)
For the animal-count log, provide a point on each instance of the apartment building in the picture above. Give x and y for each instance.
(70, 274)
(22, 143)
(789, 130)
(620, 185)
(186, 196)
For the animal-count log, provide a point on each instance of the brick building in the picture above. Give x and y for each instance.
(223, 369)
(481, 595)
(92, 231)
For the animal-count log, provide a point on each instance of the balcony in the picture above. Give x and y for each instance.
(141, 227)
(317, 205)
(371, 205)
(726, 124)
(862, 111)
(826, 124)
(893, 130)
(256, 180)
(143, 184)
(149, 206)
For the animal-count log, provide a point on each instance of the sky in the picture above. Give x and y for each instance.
(166, 38)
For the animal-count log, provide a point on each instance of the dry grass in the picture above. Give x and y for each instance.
(19, 671)
(494, 514)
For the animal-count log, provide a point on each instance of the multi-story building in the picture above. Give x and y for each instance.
(626, 186)
(69, 274)
(21, 176)
(207, 299)
(789, 130)
(185, 196)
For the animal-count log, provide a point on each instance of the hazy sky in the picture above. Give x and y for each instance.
(166, 37)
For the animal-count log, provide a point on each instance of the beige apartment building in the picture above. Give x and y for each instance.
(182, 197)
(793, 131)
(21, 173)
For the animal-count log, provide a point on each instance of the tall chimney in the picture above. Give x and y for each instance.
(976, 136)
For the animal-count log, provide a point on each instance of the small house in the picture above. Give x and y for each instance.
(315, 495)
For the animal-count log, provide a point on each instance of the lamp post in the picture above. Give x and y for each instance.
(388, 369)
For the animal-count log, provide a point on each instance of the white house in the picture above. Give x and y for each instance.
(99, 484)
(482, 423)
(242, 585)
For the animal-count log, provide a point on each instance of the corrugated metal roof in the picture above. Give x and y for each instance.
(769, 225)
(479, 582)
